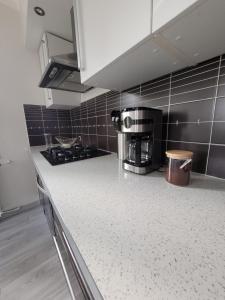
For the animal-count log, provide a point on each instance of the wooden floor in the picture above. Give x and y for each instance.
(29, 265)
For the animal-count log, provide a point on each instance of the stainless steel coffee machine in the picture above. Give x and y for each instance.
(139, 138)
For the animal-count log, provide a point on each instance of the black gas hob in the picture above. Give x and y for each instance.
(58, 155)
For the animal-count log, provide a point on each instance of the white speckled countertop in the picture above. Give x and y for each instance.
(141, 237)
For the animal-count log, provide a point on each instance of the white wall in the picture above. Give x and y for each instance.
(19, 76)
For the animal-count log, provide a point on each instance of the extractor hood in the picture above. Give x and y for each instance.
(62, 72)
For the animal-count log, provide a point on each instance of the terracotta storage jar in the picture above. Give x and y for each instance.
(178, 167)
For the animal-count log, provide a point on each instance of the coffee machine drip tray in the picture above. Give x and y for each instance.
(141, 169)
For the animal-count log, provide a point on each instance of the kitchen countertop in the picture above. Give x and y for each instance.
(141, 237)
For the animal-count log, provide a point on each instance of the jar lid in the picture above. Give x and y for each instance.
(179, 154)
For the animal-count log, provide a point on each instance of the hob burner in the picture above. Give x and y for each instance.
(58, 155)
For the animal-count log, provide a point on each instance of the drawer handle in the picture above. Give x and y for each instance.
(41, 189)
(77, 267)
(64, 268)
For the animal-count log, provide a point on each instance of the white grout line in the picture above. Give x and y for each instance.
(161, 91)
(197, 74)
(214, 144)
(196, 68)
(191, 91)
(191, 101)
(213, 115)
(96, 122)
(152, 86)
(168, 113)
(190, 122)
(145, 84)
(197, 143)
(193, 82)
(186, 142)
(107, 126)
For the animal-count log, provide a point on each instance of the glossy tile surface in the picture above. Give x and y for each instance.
(192, 101)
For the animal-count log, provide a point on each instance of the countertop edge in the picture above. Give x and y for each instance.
(82, 265)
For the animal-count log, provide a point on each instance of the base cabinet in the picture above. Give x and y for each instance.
(75, 281)
(66, 257)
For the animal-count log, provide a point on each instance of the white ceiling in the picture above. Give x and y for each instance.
(56, 20)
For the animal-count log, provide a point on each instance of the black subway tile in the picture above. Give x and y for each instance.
(199, 68)
(194, 85)
(102, 142)
(49, 114)
(93, 139)
(112, 144)
(37, 140)
(190, 132)
(195, 79)
(194, 95)
(216, 164)
(221, 90)
(218, 133)
(192, 112)
(220, 110)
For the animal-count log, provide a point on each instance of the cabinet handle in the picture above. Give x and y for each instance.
(78, 38)
(41, 188)
(77, 267)
(64, 268)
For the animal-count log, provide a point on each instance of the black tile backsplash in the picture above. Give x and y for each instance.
(190, 132)
(216, 165)
(193, 105)
(197, 111)
(40, 121)
(218, 133)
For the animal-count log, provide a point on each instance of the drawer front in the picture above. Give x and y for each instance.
(46, 204)
(74, 282)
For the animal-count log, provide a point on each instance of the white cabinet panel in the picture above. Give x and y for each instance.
(165, 11)
(107, 29)
(140, 65)
(52, 45)
(57, 46)
(199, 34)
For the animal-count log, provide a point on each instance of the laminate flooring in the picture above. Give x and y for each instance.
(29, 265)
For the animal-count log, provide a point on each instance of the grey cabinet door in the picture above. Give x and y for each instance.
(74, 282)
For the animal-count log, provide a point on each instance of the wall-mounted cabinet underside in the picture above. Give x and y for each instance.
(187, 40)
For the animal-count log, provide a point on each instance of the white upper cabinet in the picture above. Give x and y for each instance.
(165, 11)
(199, 34)
(52, 45)
(105, 30)
(119, 48)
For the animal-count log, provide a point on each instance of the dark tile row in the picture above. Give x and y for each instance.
(40, 121)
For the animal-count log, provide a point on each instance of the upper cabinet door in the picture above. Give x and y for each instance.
(199, 34)
(57, 46)
(105, 30)
(52, 45)
(165, 11)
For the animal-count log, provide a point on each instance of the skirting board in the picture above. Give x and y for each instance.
(19, 210)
